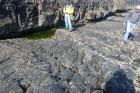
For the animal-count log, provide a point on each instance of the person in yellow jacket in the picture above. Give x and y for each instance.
(68, 14)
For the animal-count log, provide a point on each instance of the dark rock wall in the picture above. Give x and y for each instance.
(25, 14)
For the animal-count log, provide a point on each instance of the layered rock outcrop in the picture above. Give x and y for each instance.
(17, 15)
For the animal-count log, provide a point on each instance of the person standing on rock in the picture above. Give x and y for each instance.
(68, 14)
(132, 20)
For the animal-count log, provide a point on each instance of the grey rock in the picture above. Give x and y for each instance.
(11, 87)
(66, 74)
(92, 81)
(83, 70)
(98, 91)
(77, 84)
(30, 90)
(44, 66)
(54, 88)
(109, 67)
(87, 89)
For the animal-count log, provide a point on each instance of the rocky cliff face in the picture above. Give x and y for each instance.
(91, 59)
(18, 15)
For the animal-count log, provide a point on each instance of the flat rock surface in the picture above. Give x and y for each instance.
(91, 59)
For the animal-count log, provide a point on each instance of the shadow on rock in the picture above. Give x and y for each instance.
(102, 18)
(119, 83)
(78, 25)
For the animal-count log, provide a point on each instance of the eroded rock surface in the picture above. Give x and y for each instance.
(91, 59)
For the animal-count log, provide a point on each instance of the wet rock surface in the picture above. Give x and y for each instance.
(91, 59)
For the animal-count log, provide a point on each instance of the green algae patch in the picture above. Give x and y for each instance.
(45, 34)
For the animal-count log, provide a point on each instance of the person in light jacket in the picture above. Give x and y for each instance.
(68, 14)
(131, 24)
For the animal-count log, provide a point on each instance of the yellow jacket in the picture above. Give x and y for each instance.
(69, 9)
